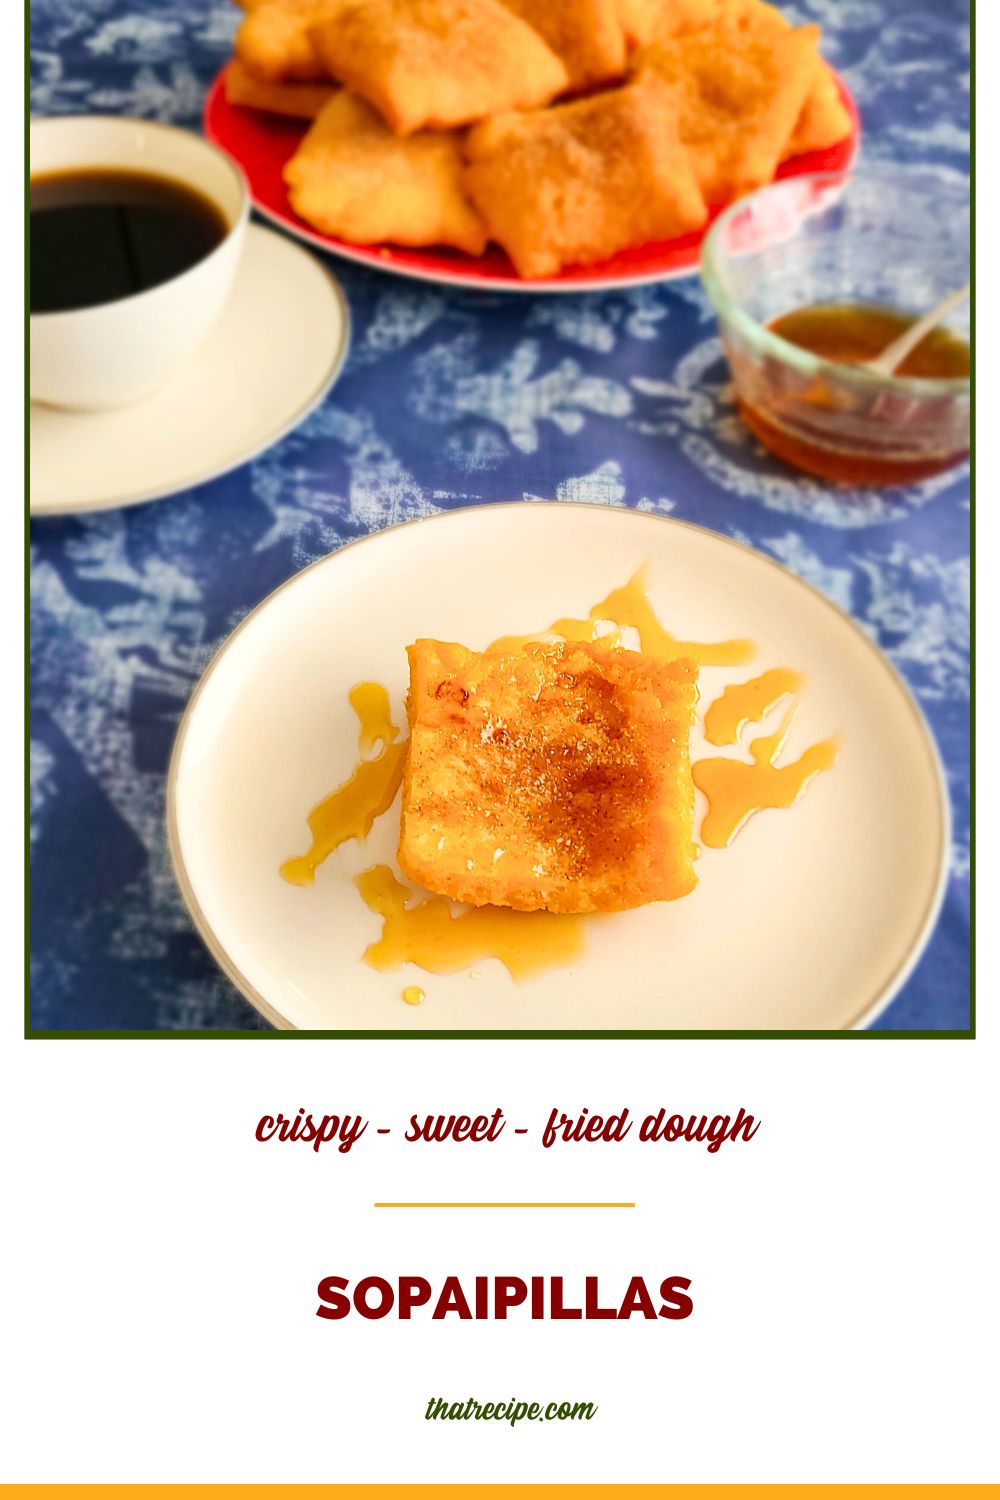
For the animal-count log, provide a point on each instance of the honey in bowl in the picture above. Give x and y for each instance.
(857, 434)
(849, 333)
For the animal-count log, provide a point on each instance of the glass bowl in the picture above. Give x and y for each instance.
(896, 240)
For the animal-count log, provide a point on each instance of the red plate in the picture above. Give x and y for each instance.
(262, 143)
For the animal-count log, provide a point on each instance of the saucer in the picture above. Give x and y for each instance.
(273, 355)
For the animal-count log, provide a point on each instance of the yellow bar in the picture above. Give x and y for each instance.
(497, 1491)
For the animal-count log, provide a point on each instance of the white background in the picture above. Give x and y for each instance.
(162, 1265)
(159, 1266)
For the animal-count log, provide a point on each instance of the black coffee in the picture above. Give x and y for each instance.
(99, 235)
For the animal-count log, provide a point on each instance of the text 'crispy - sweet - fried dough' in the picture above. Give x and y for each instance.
(575, 184)
(351, 177)
(438, 63)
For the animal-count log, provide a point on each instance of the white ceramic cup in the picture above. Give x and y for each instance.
(118, 352)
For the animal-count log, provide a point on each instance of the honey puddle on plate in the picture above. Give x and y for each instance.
(745, 702)
(736, 789)
(350, 811)
(426, 934)
(422, 930)
(628, 606)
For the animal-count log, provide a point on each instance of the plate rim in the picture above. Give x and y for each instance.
(42, 511)
(368, 257)
(861, 1021)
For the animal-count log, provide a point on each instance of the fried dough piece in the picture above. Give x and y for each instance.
(438, 63)
(638, 19)
(302, 101)
(670, 18)
(644, 20)
(824, 121)
(659, 20)
(586, 34)
(574, 184)
(273, 41)
(557, 778)
(738, 86)
(351, 177)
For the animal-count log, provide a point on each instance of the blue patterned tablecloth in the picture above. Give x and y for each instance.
(448, 399)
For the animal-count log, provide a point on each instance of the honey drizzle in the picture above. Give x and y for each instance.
(426, 934)
(570, 629)
(629, 607)
(424, 931)
(736, 789)
(746, 702)
(370, 702)
(350, 811)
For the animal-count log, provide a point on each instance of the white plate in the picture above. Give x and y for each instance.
(811, 920)
(271, 358)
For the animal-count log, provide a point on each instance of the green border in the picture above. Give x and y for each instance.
(31, 1034)
(505, 1036)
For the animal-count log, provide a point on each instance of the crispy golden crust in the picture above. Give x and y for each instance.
(556, 778)
(637, 19)
(738, 86)
(575, 184)
(681, 17)
(646, 20)
(351, 177)
(660, 20)
(824, 121)
(273, 40)
(438, 63)
(302, 101)
(586, 34)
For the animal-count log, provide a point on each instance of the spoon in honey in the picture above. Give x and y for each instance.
(894, 354)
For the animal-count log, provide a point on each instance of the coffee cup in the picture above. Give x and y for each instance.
(94, 357)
